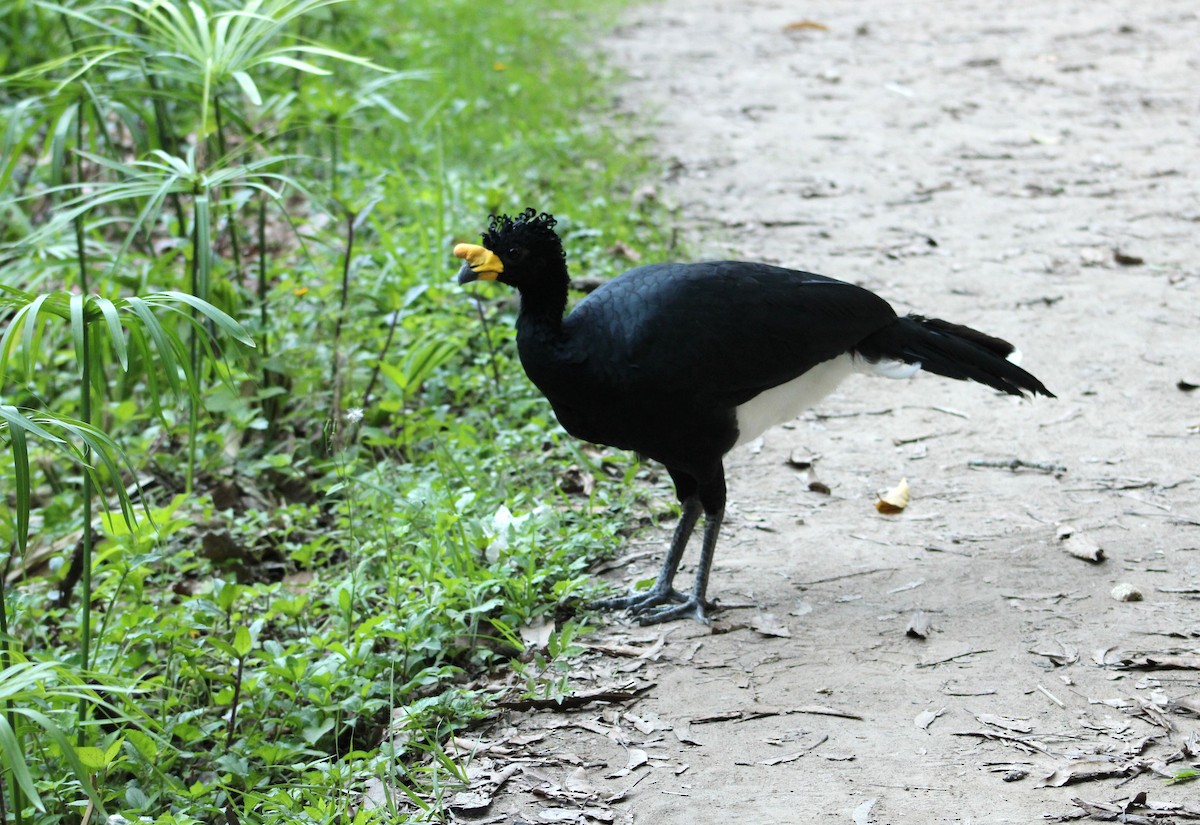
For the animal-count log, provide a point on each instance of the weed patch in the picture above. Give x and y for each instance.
(277, 498)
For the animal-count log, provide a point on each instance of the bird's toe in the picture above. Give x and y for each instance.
(639, 603)
(691, 608)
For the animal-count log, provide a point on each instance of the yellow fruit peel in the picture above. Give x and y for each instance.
(894, 500)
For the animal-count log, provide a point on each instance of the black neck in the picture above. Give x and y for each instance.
(543, 306)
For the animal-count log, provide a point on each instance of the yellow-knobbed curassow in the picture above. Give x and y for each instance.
(684, 361)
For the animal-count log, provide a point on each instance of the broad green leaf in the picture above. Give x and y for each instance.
(92, 758)
(241, 641)
(146, 747)
(396, 375)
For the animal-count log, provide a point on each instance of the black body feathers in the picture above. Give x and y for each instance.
(673, 360)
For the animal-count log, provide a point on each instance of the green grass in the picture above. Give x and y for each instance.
(250, 581)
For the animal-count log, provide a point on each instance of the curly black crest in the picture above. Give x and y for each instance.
(527, 229)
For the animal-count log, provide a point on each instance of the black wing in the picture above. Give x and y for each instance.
(722, 331)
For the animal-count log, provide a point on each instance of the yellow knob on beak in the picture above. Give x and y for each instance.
(481, 263)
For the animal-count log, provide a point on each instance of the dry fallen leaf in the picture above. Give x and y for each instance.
(637, 758)
(1065, 655)
(769, 625)
(579, 785)
(862, 814)
(376, 795)
(1161, 661)
(469, 801)
(645, 726)
(1004, 723)
(779, 760)
(807, 464)
(1083, 771)
(926, 717)
(683, 732)
(537, 635)
(576, 481)
(894, 500)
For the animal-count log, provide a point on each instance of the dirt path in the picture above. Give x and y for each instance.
(1026, 168)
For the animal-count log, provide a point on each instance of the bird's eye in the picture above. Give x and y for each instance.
(516, 253)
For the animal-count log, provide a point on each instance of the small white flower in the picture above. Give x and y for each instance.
(502, 525)
(354, 415)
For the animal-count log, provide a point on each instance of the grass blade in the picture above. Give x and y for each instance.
(20, 454)
(222, 320)
(14, 761)
(116, 333)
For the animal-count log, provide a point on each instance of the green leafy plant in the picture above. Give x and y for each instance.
(282, 549)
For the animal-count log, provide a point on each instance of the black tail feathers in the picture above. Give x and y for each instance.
(954, 351)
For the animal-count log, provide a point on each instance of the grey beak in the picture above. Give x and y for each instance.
(466, 274)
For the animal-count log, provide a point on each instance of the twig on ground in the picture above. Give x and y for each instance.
(1015, 464)
(956, 656)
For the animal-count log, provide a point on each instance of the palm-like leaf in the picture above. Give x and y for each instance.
(209, 50)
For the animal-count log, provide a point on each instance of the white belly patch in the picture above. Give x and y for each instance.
(783, 403)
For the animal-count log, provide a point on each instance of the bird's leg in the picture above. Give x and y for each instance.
(694, 606)
(662, 592)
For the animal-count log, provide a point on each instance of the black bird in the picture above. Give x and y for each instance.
(682, 362)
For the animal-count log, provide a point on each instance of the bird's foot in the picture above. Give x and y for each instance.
(691, 608)
(638, 603)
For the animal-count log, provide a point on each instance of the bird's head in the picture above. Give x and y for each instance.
(516, 251)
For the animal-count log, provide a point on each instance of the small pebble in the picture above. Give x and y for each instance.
(1125, 592)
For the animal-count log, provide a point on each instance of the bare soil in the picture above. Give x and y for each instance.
(1029, 169)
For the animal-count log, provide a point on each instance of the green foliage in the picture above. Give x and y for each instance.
(1185, 775)
(276, 500)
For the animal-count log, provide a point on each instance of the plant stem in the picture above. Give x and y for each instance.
(334, 145)
(271, 404)
(234, 246)
(351, 222)
(85, 413)
(387, 344)
(166, 137)
(199, 278)
(233, 705)
(487, 337)
(5, 663)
